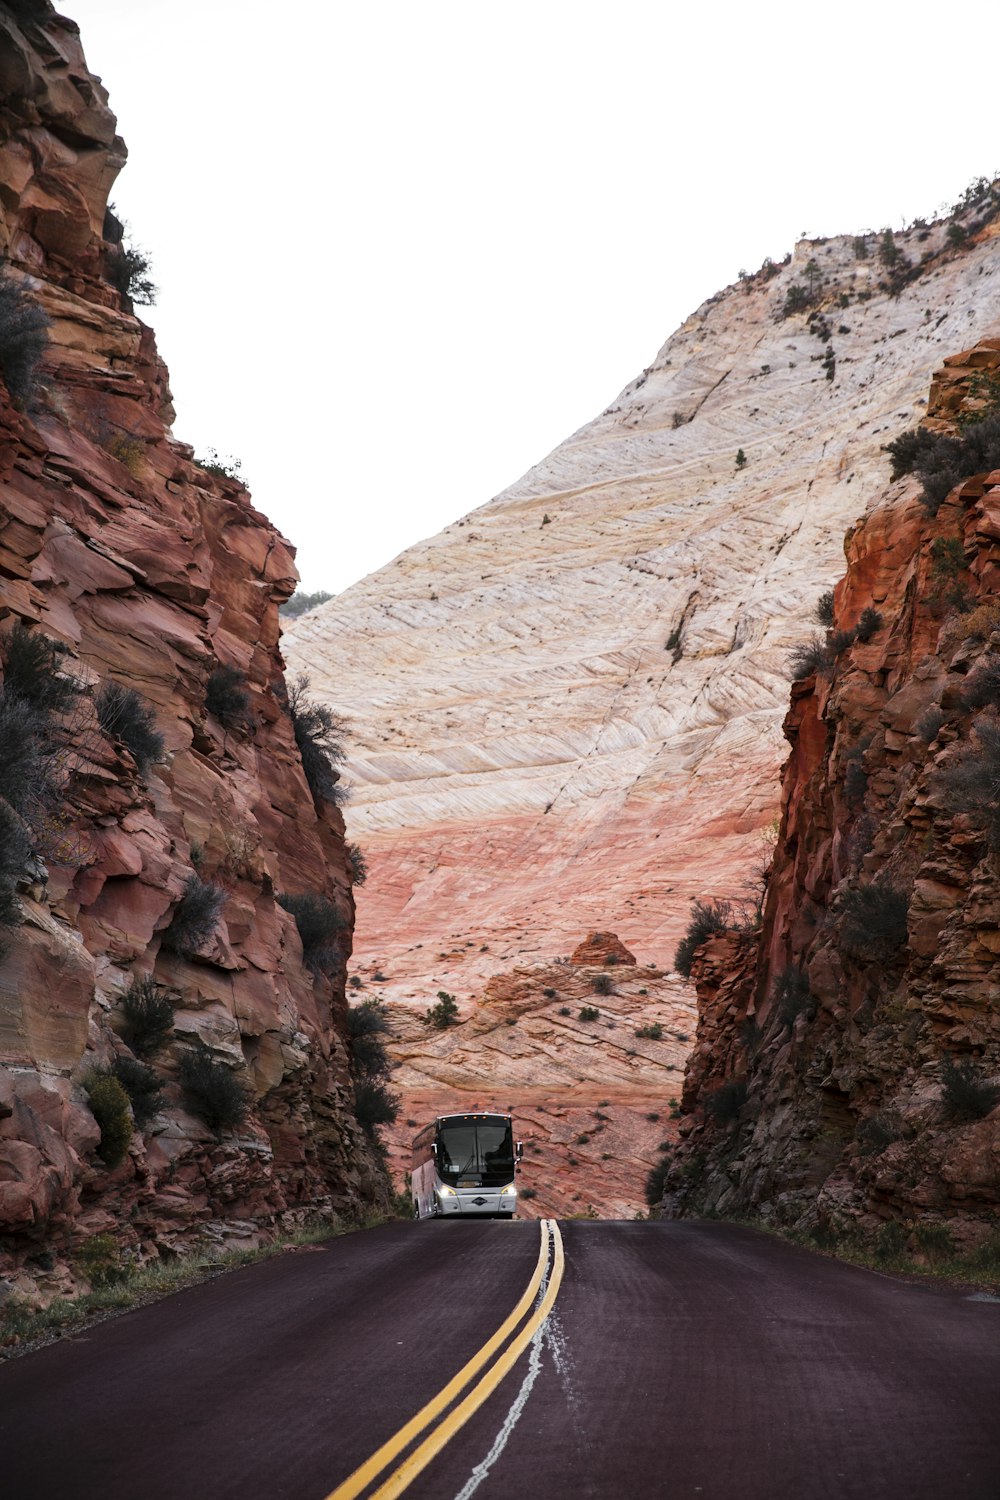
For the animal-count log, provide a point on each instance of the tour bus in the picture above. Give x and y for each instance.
(465, 1164)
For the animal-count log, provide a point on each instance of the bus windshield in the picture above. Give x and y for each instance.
(476, 1148)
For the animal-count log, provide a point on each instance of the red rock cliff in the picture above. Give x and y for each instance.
(147, 570)
(847, 1065)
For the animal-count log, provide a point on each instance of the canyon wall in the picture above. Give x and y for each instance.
(846, 1074)
(566, 707)
(145, 569)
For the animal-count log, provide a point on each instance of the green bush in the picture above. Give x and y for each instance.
(527, 1193)
(809, 657)
(356, 864)
(869, 622)
(945, 461)
(872, 921)
(211, 1089)
(878, 1131)
(319, 926)
(195, 918)
(15, 847)
(319, 735)
(929, 722)
(23, 337)
(968, 782)
(127, 718)
(32, 670)
(824, 608)
(741, 459)
(109, 1105)
(27, 772)
(601, 984)
(226, 697)
(148, 1016)
(725, 1103)
(982, 686)
(793, 996)
(222, 468)
(935, 1240)
(445, 1013)
(142, 1087)
(589, 1013)
(653, 1033)
(99, 1258)
(656, 1179)
(890, 1240)
(300, 602)
(564, 1010)
(966, 1092)
(367, 1024)
(130, 273)
(707, 917)
(374, 1104)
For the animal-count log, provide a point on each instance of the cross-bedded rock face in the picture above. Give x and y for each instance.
(858, 1033)
(147, 571)
(567, 706)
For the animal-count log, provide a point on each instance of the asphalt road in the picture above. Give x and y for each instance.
(679, 1361)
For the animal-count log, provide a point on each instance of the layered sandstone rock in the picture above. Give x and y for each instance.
(833, 1040)
(567, 706)
(148, 571)
(587, 1056)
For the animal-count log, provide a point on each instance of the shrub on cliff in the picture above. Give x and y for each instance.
(656, 1178)
(725, 1103)
(226, 697)
(147, 1016)
(367, 1024)
(374, 1104)
(589, 1013)
(319, 734)
(966, 1092)
(15, 848)
(869, 622)
(706, 917)
(109, 1106)
(793, 996)
(872, 921)
(23, 337)
(142, 1087)
(27, 780)
(946, 461)
(319, 924)
(810, 657)
(127, 718)
(195, 917)
(356, 864)
(32, 670)
(970, 782)
(445, 1013)
(601, 984)
(926, 726)
(982, 686)
(211, 1089)
(824, 608)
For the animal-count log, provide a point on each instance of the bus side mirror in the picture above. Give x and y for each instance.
(519, 1150)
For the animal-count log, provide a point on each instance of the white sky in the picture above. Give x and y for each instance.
(406, 246)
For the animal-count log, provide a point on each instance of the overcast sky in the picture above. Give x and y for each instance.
(405, 248)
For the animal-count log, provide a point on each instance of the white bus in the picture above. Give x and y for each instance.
(465, 1164)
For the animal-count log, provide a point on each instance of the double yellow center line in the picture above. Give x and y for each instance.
(456, 1418)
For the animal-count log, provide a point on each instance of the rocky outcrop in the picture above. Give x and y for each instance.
(588, 1057)
(569, 702)
(846, 1073)
(148, 571)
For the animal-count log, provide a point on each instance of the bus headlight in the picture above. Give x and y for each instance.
(446, 1192)
(510, 1191)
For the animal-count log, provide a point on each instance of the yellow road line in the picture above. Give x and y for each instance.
(372, 1467)
(445, 1431)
